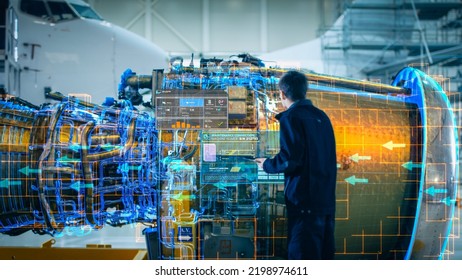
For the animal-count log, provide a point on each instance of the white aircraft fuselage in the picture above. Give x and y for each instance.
(67, 47)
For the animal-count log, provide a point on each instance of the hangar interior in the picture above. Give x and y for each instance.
(163, 168)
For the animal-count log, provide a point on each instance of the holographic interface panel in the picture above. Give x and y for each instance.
(183, 166)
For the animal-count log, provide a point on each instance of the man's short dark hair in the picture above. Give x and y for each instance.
(294, 85)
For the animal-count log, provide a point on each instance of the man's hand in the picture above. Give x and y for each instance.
(260, 162)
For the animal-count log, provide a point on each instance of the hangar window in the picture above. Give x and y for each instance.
(35, 8)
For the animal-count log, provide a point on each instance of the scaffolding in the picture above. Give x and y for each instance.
(374, 39)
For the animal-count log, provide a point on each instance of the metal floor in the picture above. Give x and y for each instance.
(132, 237)
(118, 237)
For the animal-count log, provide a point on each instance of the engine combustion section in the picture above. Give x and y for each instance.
(75, 166)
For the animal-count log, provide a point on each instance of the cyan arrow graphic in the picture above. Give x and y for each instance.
(390, 145)
(67, 159)
(432, 191)
(6, 183)
(108, 147)
(353, 180)
(26, 170)
(409, 165)
(77, 185)
(76, 147)
(356, 158)
(125, 167)
(448, 201)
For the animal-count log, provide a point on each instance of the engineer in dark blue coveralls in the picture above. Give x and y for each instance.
(308, 160)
